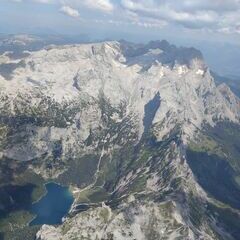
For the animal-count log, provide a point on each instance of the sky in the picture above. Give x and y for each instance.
(218, 20)
(183, 22)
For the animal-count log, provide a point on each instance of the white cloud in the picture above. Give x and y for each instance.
(37, 1)
(70, 11)
(210, 15)
(198, 14)
(43, 1)
(103, 5)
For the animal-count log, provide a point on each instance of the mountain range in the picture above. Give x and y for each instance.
(141, 134)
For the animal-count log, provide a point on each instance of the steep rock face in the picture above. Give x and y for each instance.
(114, 120)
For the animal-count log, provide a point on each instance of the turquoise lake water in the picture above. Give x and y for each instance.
(52, 207)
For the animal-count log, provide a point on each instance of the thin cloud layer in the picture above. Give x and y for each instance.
(211, 15)
(202, 14)
(70, 11)
(103, 5)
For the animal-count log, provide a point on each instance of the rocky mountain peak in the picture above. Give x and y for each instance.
(163, 52)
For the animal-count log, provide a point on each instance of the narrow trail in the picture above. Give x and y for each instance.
(95, 178)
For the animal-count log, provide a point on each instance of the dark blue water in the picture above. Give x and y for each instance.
(51, 208)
